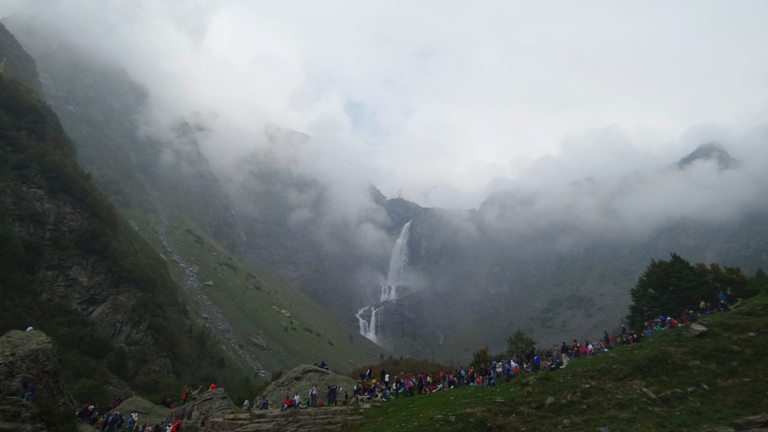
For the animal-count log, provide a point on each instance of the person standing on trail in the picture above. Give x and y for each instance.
(564, 354)
(369, 374)
(536, 362)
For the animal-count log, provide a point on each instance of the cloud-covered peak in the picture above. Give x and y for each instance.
(709, 151)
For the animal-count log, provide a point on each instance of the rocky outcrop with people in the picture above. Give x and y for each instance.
(147, 411)
(301, 379)
(208, 405)
(30, 359)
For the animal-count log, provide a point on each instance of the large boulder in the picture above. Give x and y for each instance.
(209, 404)
(301, 379)
(30, 358)
(147, 411)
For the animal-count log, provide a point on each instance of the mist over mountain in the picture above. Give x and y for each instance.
(538, 213)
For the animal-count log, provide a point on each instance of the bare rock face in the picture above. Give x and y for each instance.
(31, 358)
(210, 404)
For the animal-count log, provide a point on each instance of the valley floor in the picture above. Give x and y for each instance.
(669, 382)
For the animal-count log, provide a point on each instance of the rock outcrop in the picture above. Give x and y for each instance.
(148, 412)
(30, 358)
(301, 379)
(18, 416)
(210, 404)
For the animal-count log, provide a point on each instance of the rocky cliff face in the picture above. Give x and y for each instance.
(73, 267)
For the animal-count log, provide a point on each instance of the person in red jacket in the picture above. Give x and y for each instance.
(213, 387)
(287, 403)
(176, 426)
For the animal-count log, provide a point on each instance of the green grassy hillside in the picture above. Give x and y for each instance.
(669, 382)
(251, 301)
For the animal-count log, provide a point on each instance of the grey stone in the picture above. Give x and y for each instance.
(650, 394)
(695, 330)
(753, 422)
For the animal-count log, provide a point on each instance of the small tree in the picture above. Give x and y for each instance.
(481, 357)
(670, 287)
(732, 277)
(519, 344)
(761, 280)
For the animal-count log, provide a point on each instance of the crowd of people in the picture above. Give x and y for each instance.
(384, 387)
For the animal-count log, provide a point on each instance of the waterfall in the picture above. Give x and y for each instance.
(397, 262)
(366, 329)
(399, 257)
(388, 293)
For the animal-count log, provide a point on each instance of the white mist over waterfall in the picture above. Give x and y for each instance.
(397, 262)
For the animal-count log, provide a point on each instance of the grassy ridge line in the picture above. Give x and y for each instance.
(246, 297)
(698, 384)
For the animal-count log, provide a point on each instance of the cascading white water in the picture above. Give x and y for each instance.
(399, 257)
(397, 262)
(367, 330)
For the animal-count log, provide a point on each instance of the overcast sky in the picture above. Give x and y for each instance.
(444, 100)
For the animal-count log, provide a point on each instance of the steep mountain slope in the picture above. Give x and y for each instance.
(72, 266)
(104, 112)
(160, 185)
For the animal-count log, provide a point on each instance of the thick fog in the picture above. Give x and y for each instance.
(580, 107)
